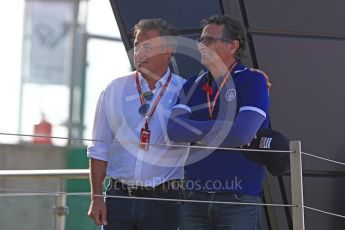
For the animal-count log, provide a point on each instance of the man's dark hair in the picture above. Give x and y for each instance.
(232, 31)
(157, 24)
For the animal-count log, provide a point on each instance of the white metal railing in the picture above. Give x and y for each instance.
(60, 202)
(62, 174)
(60, 209)
(59, 173)
(297, 185)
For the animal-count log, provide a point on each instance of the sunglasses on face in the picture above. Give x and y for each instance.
(211, 40)
(148, 95)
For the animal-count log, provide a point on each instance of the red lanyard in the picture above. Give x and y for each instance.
(142, 99)
(208, 89)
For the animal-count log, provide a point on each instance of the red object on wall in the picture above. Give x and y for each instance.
(44, 128)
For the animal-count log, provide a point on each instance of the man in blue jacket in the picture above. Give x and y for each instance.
(225, 107)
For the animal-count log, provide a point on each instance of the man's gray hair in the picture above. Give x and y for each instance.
(159, 25)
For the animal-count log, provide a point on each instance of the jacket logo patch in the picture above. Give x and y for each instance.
(230, 94)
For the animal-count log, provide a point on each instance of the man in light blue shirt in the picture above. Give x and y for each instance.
(130, 135)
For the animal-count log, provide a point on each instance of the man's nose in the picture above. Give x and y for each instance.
(202, 46)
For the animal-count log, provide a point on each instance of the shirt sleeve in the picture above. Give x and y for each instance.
(182, 99)
(253, 93)
(183, 129)
(246, 125)
(180, 127)
(102, 134)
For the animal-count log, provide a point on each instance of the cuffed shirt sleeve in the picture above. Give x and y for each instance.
(102, 134)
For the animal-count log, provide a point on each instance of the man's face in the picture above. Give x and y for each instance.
(214, 48)
(150, 55)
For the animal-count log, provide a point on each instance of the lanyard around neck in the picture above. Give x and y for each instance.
(142, 99)
(212, 105)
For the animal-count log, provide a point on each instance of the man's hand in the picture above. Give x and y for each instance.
(98, 211)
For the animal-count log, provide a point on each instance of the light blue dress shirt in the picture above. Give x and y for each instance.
(117, 127)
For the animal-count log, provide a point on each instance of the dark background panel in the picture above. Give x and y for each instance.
(307, 16)
(184, 15)
(307, 97)
(277, 193)
(324, 193)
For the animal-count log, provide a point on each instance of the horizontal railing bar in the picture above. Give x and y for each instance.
(59, 173)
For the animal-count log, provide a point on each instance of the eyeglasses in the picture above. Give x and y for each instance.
(210, 40)
(148, 95)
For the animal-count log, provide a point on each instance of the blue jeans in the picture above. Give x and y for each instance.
(134, 214)
(205, 216)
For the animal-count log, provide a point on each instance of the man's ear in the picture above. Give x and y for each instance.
(234, 46)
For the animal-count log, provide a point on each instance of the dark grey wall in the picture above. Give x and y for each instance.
(301, 45)
(307, 16)
(175, 12)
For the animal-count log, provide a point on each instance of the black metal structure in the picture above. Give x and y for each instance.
(301, 45)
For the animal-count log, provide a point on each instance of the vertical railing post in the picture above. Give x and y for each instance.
(297, 185)
(60, 208)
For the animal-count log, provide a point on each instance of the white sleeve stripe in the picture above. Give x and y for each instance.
(182, 106)
(241, 70)
(198, 79)
(255, 109)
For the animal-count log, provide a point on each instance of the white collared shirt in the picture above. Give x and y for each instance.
(117, 128)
